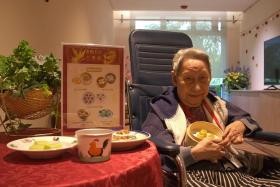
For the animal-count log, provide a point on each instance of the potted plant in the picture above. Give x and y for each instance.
(236, 78)
(29, 86)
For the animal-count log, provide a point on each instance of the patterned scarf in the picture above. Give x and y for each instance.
(178, 123)
(213, 113)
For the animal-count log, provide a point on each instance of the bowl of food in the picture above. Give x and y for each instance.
(43, 147)
(125, 140)
(199, 130)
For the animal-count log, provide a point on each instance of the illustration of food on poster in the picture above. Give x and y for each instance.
(93, 86)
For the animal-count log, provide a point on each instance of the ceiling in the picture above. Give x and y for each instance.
(175, 5)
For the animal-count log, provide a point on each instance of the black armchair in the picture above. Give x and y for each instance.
(151, 54)
(139, 96)
(269, 137)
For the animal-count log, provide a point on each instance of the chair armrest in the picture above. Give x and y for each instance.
(166, 148)
(265, 135)
(172, 150)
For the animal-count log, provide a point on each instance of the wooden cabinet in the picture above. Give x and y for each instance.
(264, 106)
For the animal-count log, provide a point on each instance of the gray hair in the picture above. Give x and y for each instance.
(189, 53)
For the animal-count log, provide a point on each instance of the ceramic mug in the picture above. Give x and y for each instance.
(94, 145)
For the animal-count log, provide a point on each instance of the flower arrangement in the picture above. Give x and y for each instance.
(236, 78)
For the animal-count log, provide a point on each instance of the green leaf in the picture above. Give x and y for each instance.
(23, 125)
(20, 72)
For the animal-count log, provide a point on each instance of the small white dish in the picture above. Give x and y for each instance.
(127, 144)
(24, 145)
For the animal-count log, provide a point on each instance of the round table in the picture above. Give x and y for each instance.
(137, 167)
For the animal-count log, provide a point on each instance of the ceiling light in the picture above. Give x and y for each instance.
(184, 7)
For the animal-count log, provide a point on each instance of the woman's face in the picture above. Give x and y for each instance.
(192, 82)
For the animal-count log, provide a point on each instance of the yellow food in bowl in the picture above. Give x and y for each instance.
(123, 135)
(45, 145)
(203, 134)
(199, 130)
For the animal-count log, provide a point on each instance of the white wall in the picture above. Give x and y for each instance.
(232, 44)
(47, 25)
(256, 16)
(262, 105)
(121, 29)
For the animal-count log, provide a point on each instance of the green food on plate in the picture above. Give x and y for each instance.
(45, 145)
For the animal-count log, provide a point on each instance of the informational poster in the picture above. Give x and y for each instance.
(93, 87)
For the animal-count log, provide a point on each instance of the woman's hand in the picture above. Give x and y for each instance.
(233, 134)
(208, 149)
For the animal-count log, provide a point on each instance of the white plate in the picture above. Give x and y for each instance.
(24, 144)
(121, 145)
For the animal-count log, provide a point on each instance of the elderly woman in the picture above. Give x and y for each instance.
(189, 101)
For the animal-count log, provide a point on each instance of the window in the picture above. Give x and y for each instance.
(153, 25)
(203, 25)
(178, 25)
(212, 44)
(206, 35)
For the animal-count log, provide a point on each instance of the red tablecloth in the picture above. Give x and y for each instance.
(138, 167)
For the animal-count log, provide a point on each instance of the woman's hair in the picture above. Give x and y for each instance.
(189, 53)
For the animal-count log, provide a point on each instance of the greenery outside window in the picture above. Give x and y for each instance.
(153, 25)
(206, 35)
(203, 25)
(178, 25)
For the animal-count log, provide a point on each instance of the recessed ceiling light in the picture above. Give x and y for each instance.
(184, 7)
